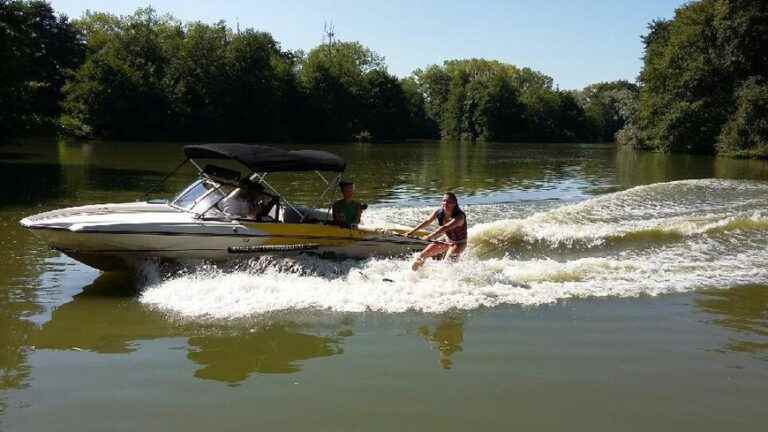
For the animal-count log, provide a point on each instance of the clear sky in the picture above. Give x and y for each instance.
(577, 42)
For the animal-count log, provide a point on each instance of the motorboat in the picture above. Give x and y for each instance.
(193, 226)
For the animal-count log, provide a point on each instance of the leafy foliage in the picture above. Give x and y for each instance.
(333, 75)
(608, 106)
(746, 133)
(479, 99)
(699, 82)
(36, 51)
(150, 76)
(119, 91)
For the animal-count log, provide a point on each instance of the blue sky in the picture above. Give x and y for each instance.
(577, 42)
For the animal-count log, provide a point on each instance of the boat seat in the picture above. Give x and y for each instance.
(289, 215)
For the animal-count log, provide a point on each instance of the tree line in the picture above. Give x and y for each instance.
(148, 76)
(489, 100)
(704, 82)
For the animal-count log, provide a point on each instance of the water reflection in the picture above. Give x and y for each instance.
(743, 310)
(20, 263)
(41, 182)
(16, 156)
(637, 168)
(446, 337)
(110, 168)
(69, 180)
(274, 348)
(403, 173)
(741, 169)
(14, 334)
(107, 318)
(497, 172)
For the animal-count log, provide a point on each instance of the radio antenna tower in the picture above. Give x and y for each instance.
(329, 33)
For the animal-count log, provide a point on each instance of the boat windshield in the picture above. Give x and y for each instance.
(200, 196)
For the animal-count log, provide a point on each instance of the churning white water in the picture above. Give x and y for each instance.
(649, 240)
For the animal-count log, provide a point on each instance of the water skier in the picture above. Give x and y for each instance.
(453, 224)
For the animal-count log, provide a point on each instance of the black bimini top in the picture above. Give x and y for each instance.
(259, 158)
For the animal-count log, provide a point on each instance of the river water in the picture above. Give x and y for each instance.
(602, 289)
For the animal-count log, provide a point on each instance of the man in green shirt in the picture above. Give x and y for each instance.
(346, 211)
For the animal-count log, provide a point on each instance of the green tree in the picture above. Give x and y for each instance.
(694, 67)
(195, 79)
(120, 91)
(746, 133)
(607, 106)
(333, 77)
(150, 77)
(420, 125)
(742, 29)
(259, 84)
(434, 84)
(386, 106)
(37, 49)
(478, 99)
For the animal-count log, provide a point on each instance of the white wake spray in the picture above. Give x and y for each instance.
(660, 243)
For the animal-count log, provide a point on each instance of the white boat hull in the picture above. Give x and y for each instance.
(124, 236)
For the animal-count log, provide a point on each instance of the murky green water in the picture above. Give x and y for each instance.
(599, 292)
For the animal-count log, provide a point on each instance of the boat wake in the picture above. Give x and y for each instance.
(649, 240)
(646, 216)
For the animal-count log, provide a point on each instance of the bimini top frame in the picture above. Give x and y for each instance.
(262, 160)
